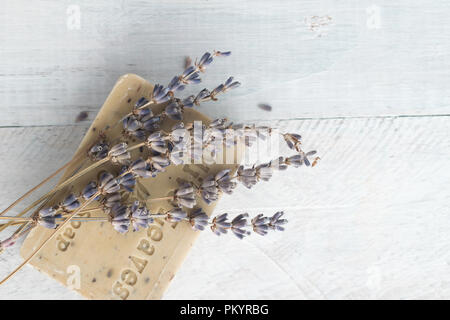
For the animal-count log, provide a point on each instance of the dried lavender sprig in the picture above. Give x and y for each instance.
(120, 154)
(159, 95)
(190, 75)
(199, 220)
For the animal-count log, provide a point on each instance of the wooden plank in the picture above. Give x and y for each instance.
(370, 221)
(387, 59)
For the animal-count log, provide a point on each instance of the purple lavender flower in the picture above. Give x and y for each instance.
(98, 151)
(185, 195)
(220, 224)
(276, 223)
(120, 218)
(140, 103)
(70, 203)
(119, 153)
(159, 163)
(89, 190)
(238, 225)
(112, 200)
(140, 168)
(108, 183)
(209, 190)
(201, 96)
(127, 181)
(133, 127)
(160, 94)
(223, 54)
(175, 84)
(260, 224)
(198, 219)
(229, 84)
(176, 215)
(174, 111)
(188, 102)
(156, 142)
(151, 123)
(247, 176)
(140, 216)
(205, 60)
(224, 182)
(47, 217)
(293, 140)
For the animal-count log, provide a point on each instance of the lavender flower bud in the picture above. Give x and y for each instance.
(198, 219)
(174, 111)
(156, 142)
(159, 163)
(70, 203)
(264, 172)
(176, 215)
(306, 155)
(295, 160)
(276, 223)
(120, 218)
(188, 71)
(209, 190)
(175, 84)
(140, 103)
(188, 102)
(140, 216)
(278, 164)
(127, 181)
(47, 212)
(247, 176)
(185, 195)
(108, 184)
(143, 113)
(238, 224)
(118, 149)
(89, 190)
(204, 94)
(140, 168)
(112, 200)
(223, 54)
(47, 217)
(224, 182)
(260, 224)
(293, 140)
(220, 224)
(160, 94)
(99, 151)
(151, 124)
(205, 60)
(193, 78)
(119, 153)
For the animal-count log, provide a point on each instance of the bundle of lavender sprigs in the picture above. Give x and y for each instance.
(181, 145)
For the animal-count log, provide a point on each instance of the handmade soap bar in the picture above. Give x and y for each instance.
(91, 257)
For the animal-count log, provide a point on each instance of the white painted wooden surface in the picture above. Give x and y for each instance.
(371, 95)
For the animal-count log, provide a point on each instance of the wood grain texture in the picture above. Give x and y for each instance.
(372, 96)
(371, 221)
(49, 72)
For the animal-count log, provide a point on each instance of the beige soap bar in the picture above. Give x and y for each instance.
(137, 265)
